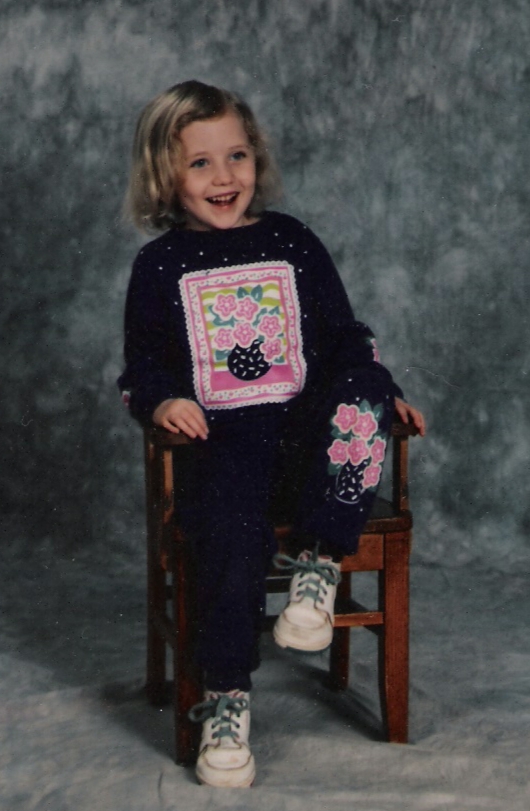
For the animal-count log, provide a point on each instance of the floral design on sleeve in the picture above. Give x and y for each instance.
(357, 451)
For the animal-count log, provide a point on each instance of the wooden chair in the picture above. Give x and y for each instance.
(384, 547)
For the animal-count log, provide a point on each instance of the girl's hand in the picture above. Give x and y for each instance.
(407, 414)
(181, 415)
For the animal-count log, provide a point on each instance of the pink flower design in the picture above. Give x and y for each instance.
(224, 339)
(338, 452)
(246, 308)
(224, 305)
(358, 451)
(244, 334)
(271, 349)
(346, 417)
(378, 450)
(270, 325)
(371, 476)
(366, 426)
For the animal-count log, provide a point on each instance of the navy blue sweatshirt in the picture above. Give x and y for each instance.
(234, 319)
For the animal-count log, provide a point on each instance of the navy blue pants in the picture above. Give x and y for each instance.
(318, 461)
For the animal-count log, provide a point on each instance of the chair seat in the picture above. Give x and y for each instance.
(385, 518)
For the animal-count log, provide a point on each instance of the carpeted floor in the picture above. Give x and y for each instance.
(77, 732)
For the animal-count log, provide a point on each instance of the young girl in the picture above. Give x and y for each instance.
(238, 332)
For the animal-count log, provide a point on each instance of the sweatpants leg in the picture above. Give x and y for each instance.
(339, 436)
(347, 429)
(233, 544)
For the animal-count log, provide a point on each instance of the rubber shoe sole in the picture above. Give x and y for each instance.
(242, 777)
(287, 635)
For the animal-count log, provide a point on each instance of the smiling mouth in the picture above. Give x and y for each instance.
(223, 199)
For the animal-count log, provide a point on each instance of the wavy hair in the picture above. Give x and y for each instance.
(151, 200)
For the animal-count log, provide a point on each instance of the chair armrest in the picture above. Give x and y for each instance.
(404, 429)
(162, 438)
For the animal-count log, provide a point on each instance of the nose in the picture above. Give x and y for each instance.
(223, 174)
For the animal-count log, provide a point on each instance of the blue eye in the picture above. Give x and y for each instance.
(200, 163)
(238, 156)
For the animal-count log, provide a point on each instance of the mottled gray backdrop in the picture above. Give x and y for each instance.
(402, 129)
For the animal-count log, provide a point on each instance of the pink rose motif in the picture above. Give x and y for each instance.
(271, 349)
(346, 417)
(244, 334)
(338, 452)
(270, 325)
(358, 451)
(378, 451)
(246, 308)
(371, 476)
(224, 305)
(224, 339)
(366, 426)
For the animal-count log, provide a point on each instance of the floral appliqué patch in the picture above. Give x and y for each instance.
(244, 331)
(357, 451)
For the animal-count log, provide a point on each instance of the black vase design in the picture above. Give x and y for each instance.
(248, 363)
(349, 482)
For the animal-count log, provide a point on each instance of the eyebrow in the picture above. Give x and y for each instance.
(193, 155)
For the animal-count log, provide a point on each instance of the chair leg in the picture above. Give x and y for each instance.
(156, 579)
(339, 654)
(187, 681)
(156, 644)
(394, 639)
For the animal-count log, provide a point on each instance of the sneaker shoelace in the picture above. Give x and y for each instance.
(316, 574)
(225, 710)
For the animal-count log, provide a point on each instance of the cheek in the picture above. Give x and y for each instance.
(251, 177)
(184, 189)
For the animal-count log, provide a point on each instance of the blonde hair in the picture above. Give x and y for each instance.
(151, 200)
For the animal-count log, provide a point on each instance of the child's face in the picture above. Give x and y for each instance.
(217, 173)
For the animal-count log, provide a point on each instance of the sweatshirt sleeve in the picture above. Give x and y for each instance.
(154, 369)
(345, 342)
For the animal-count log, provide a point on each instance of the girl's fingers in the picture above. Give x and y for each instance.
(181, 415)
(197, 423)
(191, 426)
(401, 409)
(408, 413)
(169, 426)
(418, 420)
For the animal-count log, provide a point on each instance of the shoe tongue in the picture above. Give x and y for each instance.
(214, 694)
(306, 555)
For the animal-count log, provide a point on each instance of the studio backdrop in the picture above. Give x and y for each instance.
(401, 129)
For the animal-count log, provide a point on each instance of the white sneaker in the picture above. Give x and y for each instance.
(306, 623)
(225, 759)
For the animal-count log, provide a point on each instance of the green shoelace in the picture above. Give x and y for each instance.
(223, 709)
(319, 574)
